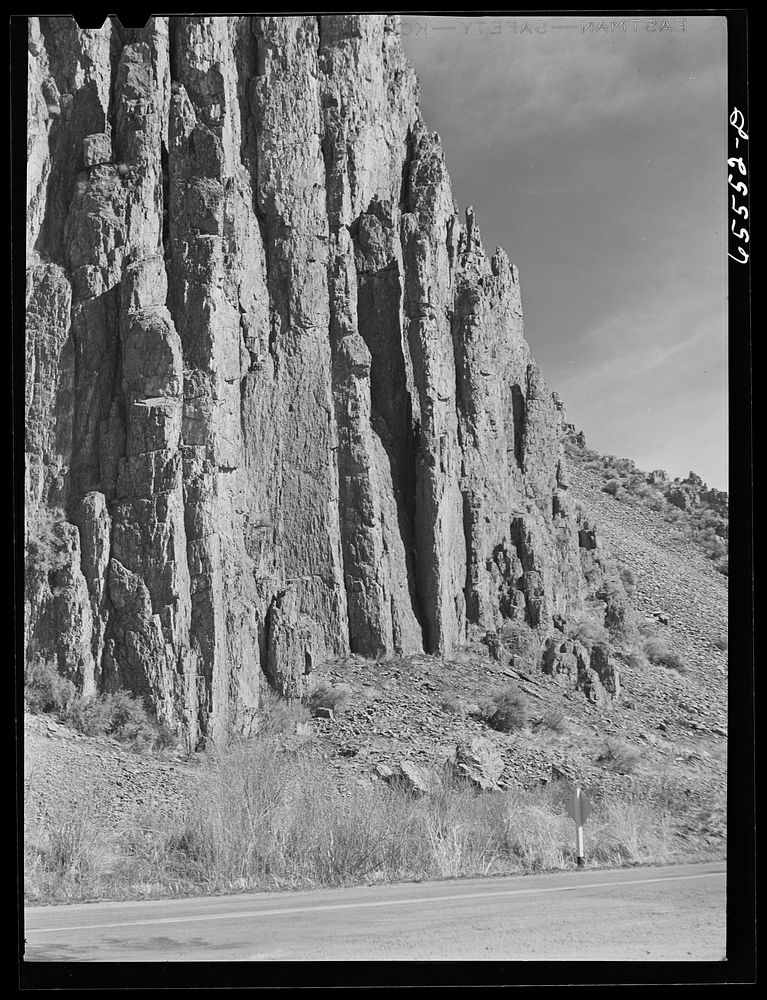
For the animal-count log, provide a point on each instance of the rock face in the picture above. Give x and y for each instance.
(276, 388)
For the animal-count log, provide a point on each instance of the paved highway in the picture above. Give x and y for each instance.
(654, 914)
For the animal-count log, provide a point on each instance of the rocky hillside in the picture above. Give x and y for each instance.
(666, 727)
(659, 744)
(280, 411)
(692, 509)
(404, 716)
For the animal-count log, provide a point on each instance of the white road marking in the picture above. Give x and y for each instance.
(359, 904)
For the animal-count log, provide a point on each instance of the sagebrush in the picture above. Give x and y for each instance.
(324, 694)
(657, 651)
(45, 690)
(505, 710)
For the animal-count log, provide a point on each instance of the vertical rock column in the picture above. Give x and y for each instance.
(366, 115)
(212, 234)
(147, 636)
(522, 551)
(491, 358)
(428, 250)
(71, 329)
(291, 434)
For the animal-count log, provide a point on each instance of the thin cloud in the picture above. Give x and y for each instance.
(598, 164)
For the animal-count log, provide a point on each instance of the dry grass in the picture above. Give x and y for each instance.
(617, 755)
(62, 850)
(266, 819)
(626, 829)
(281, 715)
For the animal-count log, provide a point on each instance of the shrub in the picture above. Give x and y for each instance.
(45, 690)
(658, 652)
(452, 704)
(118, 714)
(616, 755)
(712, 544)
(506, 710)
(587, 631)
(654, 649)
(722, 565)
(629, 580)
(44, 551)
(628, 828)
(554, 719)
(323, 694)
(89, 715)
(612, 486)
(634, 658)
(609, 591)
(675, 661)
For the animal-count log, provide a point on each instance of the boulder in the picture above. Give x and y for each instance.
(478, 761)
(406, 775)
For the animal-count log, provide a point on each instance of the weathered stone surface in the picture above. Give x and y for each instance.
(97, 149)
(295, 644)
(277, 387)
(406, 775)
(478, 761)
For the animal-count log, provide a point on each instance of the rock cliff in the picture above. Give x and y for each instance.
(279, 405)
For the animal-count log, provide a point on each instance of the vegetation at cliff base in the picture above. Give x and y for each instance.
(117, 714)
(262, 818)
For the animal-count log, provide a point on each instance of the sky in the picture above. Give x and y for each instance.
(595, 155)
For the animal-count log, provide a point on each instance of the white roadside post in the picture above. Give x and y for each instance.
(579, 808)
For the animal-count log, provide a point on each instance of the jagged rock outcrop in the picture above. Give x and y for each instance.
(278, 389)
(691, 493)
(587, 667)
